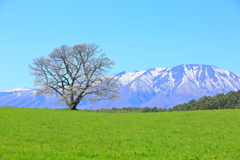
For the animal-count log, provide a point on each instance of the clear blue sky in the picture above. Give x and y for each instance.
(136, 34)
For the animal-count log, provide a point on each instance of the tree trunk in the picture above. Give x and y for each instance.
(73, 106)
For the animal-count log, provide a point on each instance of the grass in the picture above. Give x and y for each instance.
(64, 134)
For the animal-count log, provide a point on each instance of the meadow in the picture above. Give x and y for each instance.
(64, 134)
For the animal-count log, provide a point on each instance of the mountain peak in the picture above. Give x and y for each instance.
(158, 86)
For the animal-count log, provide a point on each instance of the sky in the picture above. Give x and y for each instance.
(135, 34)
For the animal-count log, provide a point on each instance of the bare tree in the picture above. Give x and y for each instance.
(75, 74)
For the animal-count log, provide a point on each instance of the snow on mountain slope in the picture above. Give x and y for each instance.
(24, 98)
(160, 87)
(127, 77)
(16, 89)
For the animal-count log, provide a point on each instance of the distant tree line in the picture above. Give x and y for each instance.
(231, 100)
(132, 110)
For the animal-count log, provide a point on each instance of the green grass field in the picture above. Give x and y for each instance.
(64, 134)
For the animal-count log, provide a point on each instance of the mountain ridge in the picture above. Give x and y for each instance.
(156, 87)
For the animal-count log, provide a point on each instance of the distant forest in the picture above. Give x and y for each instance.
(231, 100)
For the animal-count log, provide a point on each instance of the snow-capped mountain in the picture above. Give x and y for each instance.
(156, 87)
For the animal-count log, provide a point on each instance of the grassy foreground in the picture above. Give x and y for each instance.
(64, 134)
